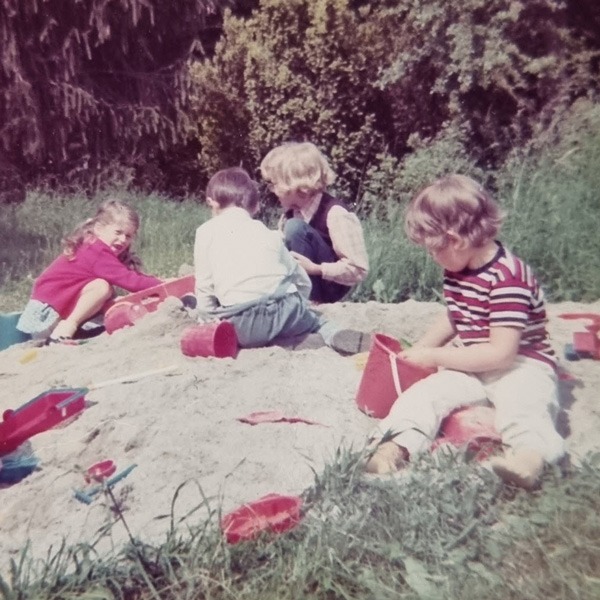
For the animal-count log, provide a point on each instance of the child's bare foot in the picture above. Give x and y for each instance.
(64, 329)
(387, 458)
(521, 467)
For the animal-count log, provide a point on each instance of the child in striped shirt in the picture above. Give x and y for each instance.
(495, 307)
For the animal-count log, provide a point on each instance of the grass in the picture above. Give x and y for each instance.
(551, 201)
(446, 529)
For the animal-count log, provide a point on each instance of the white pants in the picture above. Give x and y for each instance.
(525, 398)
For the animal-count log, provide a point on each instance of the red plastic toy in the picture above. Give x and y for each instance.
(586, 344)
(273, 513)
(471, 427)
(128, 309)
(40, 414)
(100, 471)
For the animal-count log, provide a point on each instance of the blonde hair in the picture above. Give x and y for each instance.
(297, 167)
(108, 212)
(453, 203)
(233, 187)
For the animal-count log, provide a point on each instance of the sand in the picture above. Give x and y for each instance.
(181, 426)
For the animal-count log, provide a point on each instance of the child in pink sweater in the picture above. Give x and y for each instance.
(78, 284)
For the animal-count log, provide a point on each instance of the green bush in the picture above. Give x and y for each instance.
(295, 70)
(494, 67)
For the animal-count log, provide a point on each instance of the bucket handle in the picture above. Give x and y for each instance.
(395, 377)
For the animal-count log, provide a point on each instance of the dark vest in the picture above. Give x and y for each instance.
(319, 219)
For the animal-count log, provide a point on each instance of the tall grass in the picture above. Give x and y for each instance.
(444, 529)
(553, 219)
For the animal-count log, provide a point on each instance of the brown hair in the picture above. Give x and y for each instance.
(297, 167)
(452, 203)
(233, 187)
(108, 212)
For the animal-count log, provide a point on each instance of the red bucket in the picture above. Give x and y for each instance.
(386, 376)
(210, 339)
(122, 315)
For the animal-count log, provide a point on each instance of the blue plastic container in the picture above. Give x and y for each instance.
(9, 334)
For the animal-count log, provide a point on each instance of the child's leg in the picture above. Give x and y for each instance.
(417, 414)
(91, 300)
(301, 237)
(287, 316)
(526, 401)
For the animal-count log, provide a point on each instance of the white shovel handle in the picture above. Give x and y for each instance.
(394, 367)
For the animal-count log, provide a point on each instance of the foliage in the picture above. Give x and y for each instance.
(292, 71)
(549, 190)
(444, 529)
(91, 85)
(391, 181)
(493, 67)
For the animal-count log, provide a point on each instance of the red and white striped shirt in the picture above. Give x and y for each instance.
(503, 293)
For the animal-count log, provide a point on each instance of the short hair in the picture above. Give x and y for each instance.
(233, 187)
(297, 167)
(452, 203)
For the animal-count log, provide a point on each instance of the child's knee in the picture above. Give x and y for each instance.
(294, 229)
(100, 288)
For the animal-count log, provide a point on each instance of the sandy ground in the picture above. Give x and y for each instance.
(183, 426)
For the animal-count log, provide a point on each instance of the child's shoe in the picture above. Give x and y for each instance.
(521, 467)
(387, 458)
(350, 341)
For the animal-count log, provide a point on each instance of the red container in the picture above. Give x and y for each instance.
(274, 513)
(40, 414)
(127, 309)
(210, 339)
(471, 427)
(386, 376)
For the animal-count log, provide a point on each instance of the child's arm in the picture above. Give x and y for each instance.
(206, 301)
(298, 275)
(499, 353)
(107, 266)
(439, 333)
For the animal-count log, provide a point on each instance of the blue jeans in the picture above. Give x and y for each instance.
(301, 237)
(280, 317)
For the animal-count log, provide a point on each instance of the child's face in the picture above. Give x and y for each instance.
(459, 253)
(117, 235)
(454, 256)
(292, 199)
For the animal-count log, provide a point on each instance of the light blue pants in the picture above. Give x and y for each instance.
(280, 317)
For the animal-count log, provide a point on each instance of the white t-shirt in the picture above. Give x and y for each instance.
(238, 259)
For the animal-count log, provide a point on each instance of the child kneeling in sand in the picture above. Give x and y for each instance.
(244, 273)
(496, 308)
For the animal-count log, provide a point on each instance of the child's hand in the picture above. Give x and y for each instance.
(424, 357)
(308, 265)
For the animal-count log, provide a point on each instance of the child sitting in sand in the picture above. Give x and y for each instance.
(496, 308)
(321, 233)
(78, 284)
(245, 274)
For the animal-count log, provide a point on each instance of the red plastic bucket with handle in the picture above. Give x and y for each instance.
(210, 339)
(386, 376)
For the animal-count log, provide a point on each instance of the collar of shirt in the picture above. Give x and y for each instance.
(308, 211)
(234, 212)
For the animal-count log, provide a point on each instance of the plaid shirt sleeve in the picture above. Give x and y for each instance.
(349, 244)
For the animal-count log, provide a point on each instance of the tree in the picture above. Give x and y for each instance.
(90, 84)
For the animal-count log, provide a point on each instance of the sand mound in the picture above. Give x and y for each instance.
(183, 425)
